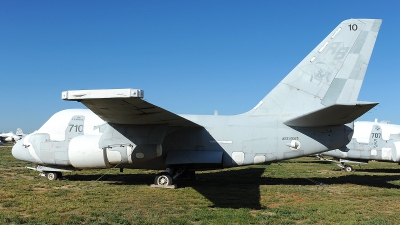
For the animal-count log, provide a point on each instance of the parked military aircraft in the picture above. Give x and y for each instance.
(371, 141)
(10, 136)
(310, 111)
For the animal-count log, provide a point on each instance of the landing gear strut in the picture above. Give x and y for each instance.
(341, 164)
(345, 167)
(51, 173)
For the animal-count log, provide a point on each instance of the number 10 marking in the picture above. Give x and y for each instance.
(353, 27)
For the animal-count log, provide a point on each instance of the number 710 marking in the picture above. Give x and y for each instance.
(78, 128)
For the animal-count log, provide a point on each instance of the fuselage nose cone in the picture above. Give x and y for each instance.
(21, 153)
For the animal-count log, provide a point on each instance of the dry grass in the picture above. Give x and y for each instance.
(300, 191)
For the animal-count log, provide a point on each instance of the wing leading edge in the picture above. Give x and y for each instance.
(125, 106)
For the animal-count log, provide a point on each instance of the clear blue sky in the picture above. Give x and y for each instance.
(190, 57)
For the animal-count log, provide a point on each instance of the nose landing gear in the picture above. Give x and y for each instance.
(49, 172)
(53, 175)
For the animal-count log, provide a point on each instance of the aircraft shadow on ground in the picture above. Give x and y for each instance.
(316, 161)
(377, 170)
(241, 188)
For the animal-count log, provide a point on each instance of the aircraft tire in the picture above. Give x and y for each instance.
(163, 179)
(348, 168)
(52, 176)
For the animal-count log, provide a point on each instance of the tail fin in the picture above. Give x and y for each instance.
(75, 127)
(19, 132)
(331, 74)
(375, 138)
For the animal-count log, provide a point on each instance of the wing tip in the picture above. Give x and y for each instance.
(75, 95)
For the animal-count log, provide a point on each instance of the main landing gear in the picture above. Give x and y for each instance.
(165, 179)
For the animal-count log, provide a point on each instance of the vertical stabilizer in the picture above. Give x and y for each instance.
(19, 132)
(75, 127)
(375, 138)
(330, 74)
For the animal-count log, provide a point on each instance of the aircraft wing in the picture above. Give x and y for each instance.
(4, 135)
(125, 106)
(335, 114)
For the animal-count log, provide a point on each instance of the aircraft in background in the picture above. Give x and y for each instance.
(310, 111)
(10, 136)
(379, 141)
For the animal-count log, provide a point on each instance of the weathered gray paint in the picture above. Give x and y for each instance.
(298, 117)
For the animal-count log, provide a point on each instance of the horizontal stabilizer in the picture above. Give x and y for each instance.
(336, 114)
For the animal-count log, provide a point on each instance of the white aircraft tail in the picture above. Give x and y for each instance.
(331, 74)
(19, 132)
(75, 127)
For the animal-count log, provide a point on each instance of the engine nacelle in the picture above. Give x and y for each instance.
(9, 139)
(396, 151)
(84, 152)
